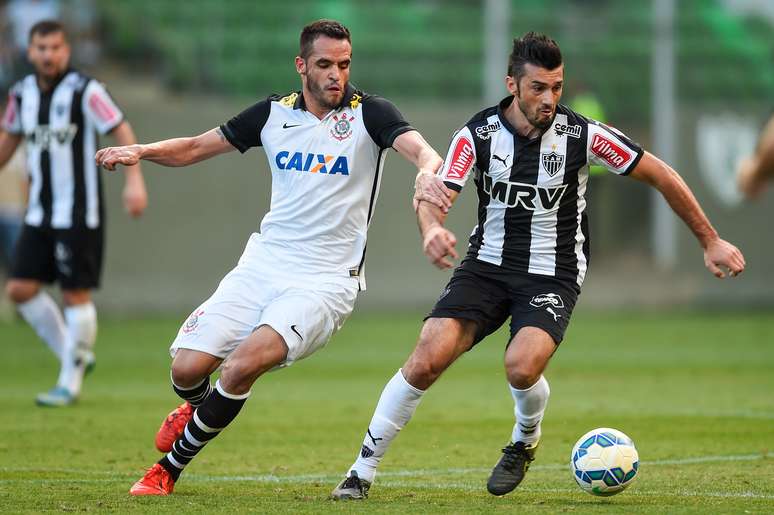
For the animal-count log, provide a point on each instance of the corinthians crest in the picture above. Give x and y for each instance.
(342, 128)
(552, 163)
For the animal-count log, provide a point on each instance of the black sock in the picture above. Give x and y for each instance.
(216, 412)
(196, 395)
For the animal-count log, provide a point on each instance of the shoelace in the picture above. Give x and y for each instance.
(511, 453)
(353, 482)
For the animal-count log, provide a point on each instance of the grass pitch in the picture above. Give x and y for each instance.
(695, 392)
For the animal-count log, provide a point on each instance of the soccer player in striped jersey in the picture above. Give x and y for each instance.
(528, 255)
(58, 112)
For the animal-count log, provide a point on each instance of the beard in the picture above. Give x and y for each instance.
(320, 95)
(535, 117)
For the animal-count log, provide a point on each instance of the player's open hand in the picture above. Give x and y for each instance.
(719, 253)
(110, 157)
(430, 188)
(439, 245)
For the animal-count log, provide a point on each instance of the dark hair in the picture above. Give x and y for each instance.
(46, 27)
(330, 28)
(533, 48)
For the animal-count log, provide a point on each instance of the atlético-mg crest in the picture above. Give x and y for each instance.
(342, 128)
(552, 163)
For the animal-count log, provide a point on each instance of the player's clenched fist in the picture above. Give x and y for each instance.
(111, 156)
(720, 253)
(438, 244)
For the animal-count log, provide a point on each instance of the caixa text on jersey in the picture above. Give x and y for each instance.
(312, 163)
(528, 196)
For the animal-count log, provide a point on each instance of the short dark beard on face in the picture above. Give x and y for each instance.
(319, 95)
(533, 120)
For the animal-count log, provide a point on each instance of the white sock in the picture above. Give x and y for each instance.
(42, 313)
(82, 334)
(397, 404)
(529, 410)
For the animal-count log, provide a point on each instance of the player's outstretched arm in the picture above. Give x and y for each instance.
(135, 195)
(427, 186)
(717, 252)
(170, 152)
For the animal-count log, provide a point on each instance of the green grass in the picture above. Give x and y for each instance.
(695, 392)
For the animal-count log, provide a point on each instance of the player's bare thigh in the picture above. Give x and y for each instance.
(441, 342)
(190, 367)
(527, 356)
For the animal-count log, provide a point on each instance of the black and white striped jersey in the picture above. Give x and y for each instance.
(532, 207)
(60, 129)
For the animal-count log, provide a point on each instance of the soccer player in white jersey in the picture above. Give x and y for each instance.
(298, 278)
(527, 256)
(58, 112)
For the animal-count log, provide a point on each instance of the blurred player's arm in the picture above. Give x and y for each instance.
(427, 186)
(170, 152)
(756, 170)
(135, 195)
(717, 252)
(8, 144)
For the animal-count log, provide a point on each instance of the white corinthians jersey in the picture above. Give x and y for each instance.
(325, 176)
(531, 192)
(60, 129)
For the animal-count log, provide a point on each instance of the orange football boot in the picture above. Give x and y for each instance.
(173, 426)
(157, 481)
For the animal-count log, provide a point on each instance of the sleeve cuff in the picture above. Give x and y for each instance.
(397, 132)
(634, 163)
(229, 135)
(453, 186)
(114, 126)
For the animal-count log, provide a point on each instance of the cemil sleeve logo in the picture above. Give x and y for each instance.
(609, 151)
(461, 160)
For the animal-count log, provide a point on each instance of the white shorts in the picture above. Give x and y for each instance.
(306, 310)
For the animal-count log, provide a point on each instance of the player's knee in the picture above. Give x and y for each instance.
(522, 376)
(422, 370)
(238, 375)
(184, 375)
(20, 291)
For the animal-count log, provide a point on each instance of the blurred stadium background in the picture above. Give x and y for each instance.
(180, 67)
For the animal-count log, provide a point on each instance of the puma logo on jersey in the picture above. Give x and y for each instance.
(312, 163)
(503, 161)
(528, 196)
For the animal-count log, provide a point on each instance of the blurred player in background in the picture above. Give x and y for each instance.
(58, 112)
(297, 280)
(527, 256)
(755, 171)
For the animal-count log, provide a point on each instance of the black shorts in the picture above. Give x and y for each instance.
(71, 257)
(488, 295)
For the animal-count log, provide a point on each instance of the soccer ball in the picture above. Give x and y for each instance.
(604, 462)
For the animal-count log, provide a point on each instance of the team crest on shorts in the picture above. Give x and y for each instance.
(342, 128)
(193, 321)
(547, 299)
